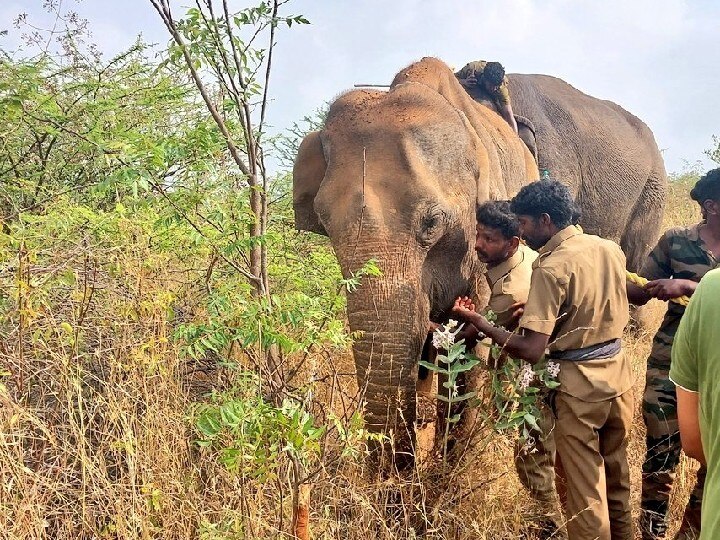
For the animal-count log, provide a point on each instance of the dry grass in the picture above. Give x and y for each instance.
(96, 442)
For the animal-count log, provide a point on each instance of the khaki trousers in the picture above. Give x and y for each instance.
(591, 441)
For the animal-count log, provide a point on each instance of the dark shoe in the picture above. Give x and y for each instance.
(652, 525)
(547, 529)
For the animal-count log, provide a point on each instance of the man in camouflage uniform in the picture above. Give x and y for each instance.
(484, 80)
(680, 259)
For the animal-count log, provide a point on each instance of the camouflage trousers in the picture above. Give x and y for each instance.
(662, 457)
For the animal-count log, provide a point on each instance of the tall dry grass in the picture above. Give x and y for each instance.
(97, 438)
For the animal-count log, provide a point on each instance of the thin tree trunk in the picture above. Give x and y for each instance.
(301, 512)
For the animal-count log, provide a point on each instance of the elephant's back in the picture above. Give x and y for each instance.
(584, 112)
(603, 152)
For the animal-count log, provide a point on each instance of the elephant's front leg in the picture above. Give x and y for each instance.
(455, 439)
(462, 434)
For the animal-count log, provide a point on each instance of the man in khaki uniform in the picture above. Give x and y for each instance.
(509, 262)
(509, 267)
(577, 309)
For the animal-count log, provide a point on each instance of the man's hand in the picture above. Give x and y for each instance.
(637, 295)
(469, 333)
(667, 289)
(432, 326)
(464, 307)
(517, 309)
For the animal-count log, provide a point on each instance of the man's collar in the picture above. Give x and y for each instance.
(497, 272)
(559, 237)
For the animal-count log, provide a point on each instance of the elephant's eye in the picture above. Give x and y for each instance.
(429, 222)
(432, 225)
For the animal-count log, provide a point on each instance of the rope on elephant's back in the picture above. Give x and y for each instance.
(641, 282)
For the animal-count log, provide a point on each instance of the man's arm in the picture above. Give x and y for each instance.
(667, 289)
(517, 309)
(688, 419)
(637, 295)
(507, 113)
(685, 374)
(530, 346)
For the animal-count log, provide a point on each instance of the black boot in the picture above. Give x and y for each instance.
(653, 524)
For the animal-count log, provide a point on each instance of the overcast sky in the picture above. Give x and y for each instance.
(659, 59)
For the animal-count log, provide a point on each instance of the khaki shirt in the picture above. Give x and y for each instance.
(502, 96)
(509, 283)
(578, 297)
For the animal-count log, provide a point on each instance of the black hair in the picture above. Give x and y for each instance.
(708, 187)
(549, 197)
(494, 73)
(497, 215)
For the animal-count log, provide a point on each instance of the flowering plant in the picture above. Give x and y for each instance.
(518, 389)
(453, 359)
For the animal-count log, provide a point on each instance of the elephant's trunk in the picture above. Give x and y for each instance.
(391, 317)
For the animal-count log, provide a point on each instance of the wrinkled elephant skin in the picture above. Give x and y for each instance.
(607, 156)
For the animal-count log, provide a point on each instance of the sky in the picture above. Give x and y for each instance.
(659, 59)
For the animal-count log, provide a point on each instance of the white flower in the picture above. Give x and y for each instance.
(444, 337)
(553, 369)
(529, 446)
(527, 376)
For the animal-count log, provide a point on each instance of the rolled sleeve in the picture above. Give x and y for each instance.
(545, 298)
(503, 94)
(658, 263)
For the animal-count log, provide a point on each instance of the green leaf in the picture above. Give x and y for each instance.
(208, 425)
(465, 366)
(432, 367)
(465, 397)
(530, 419)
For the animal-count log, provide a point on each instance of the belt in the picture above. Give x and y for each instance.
(606, 349)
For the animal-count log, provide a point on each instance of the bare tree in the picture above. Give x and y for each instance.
(223, 46)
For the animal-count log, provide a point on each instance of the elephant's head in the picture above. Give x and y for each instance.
(395, 177)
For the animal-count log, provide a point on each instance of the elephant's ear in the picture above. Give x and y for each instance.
(308, 174)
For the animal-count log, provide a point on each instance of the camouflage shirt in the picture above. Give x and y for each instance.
(680, 253)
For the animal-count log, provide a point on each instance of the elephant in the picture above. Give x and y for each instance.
(396, 176)
(585, 141)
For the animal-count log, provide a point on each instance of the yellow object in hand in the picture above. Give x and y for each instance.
(641, 282)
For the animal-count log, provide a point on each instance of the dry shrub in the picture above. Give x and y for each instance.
(97, 438)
